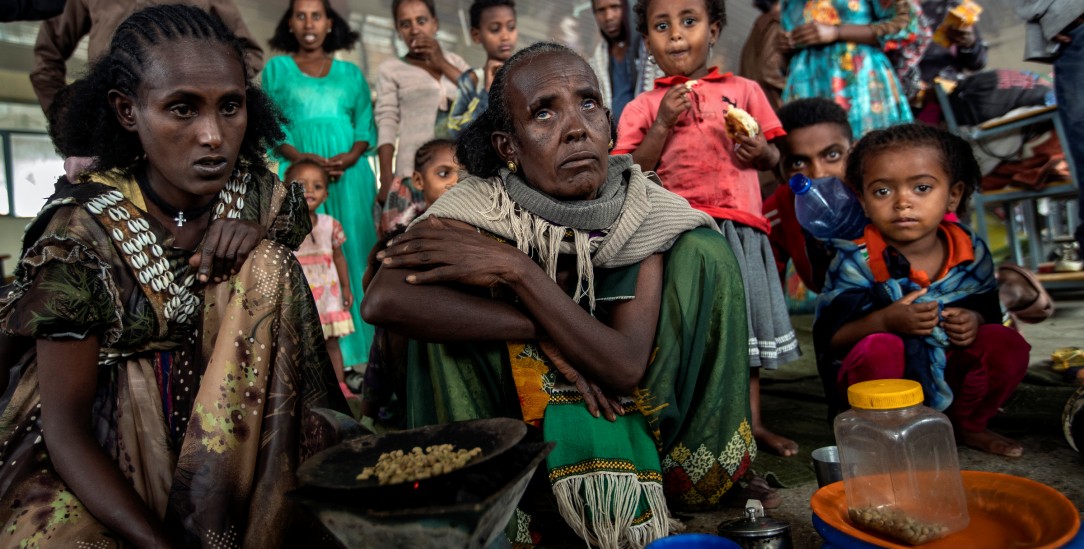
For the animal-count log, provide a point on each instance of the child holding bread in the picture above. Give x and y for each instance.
(707, 134)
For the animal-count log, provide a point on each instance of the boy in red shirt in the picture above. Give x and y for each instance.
(816, 144)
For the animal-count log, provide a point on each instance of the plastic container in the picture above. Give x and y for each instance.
(901, 475)
(693, 541)
(827, 208)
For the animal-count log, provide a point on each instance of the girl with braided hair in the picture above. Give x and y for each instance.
(157, 407)
(916, 296)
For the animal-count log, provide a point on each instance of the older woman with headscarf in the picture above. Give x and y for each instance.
(565, 287)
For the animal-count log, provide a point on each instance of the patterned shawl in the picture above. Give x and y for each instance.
(606, 477)
(633, 218)
(204, 391)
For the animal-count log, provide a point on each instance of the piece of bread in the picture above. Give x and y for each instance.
(740, 122)
(964, 15)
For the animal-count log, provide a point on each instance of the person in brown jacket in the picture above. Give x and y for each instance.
(59, 36)
(762, 61)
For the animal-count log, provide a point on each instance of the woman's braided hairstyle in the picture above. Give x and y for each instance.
(428, 151)
(82, 121)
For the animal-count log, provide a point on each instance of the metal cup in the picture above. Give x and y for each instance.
(826, 465)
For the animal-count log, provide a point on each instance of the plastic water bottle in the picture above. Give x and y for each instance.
(827, 208)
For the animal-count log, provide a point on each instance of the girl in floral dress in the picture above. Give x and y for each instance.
(839, 52)
(321, 257)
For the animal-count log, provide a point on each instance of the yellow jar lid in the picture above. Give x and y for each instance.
(885, 394)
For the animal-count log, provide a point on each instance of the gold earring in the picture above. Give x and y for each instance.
(611, 144)
(511, 166)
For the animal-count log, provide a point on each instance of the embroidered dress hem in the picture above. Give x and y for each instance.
(337, 324)
(772, 342)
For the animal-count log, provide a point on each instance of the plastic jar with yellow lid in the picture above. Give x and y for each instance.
(901, 475)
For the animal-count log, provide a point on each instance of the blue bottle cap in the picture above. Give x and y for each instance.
(800, 184)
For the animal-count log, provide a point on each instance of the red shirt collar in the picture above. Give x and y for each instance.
(958, 244)
(712, 76)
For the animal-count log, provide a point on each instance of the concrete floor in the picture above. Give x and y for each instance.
(793, 405)
(790, 401)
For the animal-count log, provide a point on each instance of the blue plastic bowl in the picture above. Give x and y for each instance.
(690, 541)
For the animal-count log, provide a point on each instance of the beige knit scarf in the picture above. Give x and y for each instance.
(648, 220)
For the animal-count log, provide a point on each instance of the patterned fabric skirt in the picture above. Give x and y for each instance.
(214, 462)
(772, 342)
(858, 77)
(688, 425)
(326, 291)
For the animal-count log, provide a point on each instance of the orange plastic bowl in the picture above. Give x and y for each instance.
(1005, 510)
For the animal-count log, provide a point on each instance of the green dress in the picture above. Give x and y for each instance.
(686, 427)
(685, 439)
(327, 116)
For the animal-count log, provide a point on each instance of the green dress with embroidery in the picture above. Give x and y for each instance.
(691, 412)
(201, 391)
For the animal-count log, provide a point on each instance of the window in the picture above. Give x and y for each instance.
(31, 167)
(29, 162)
(5, 200)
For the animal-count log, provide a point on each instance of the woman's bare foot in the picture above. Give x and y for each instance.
(991, 442)
(777, 444)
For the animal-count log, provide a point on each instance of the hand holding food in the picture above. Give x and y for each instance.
(740, 122)
(963, 16)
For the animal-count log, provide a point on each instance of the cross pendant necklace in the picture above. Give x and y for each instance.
(177, 214)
